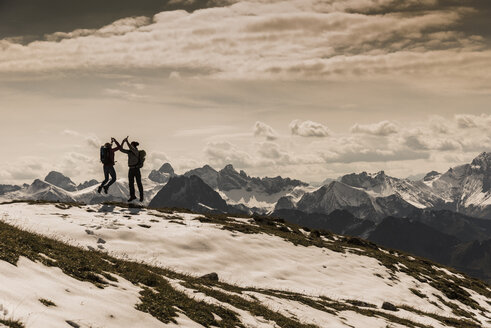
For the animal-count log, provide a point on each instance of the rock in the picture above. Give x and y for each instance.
(210, 276)
(101, 241)
(87, 184)
(163, 174)
(89, 232)
(60, 180)
(72, 324)
(389, 306)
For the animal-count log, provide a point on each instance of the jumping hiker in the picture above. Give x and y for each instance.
(136, 158)
(107, 158)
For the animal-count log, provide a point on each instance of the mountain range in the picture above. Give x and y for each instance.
(463, 189)
(443, 216)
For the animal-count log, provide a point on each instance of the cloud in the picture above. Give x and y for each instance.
(91, 140)
(308, 129)
(203, 131)
(466, 121)
(374, 155)
(440, 125)
(383, 128)
(415, 42)
(425, 141)
(155, 160)
(263, 130)
(222, 153)
(128, 95)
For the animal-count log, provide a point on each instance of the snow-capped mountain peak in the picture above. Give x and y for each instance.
(60, 180)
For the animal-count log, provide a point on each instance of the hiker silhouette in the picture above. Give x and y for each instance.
(107, 158)
(136, 158)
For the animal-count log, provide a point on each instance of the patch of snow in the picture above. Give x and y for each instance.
(81, 302)
(248, 260)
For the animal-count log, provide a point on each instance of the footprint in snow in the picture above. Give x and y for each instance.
(89, 232)
(100, 246)
(101, 241)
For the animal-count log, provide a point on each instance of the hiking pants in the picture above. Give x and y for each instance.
(109, 171)
(133, 173)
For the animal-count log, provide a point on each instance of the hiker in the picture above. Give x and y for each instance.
(136, 158)
(107, 158)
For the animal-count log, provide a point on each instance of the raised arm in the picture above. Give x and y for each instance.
(118, 146)
(126, 151)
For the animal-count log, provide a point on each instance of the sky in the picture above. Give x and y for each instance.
(308, 89)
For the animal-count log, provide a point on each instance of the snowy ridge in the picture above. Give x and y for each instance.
(465, 189)
(118, 192)
(285, 277)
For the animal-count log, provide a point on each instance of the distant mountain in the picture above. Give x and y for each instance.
(338, 221)
(87, 184)
(118, 192)
(414, 237)
(8, 188)
(60, 180)
(465, 228)
(465, 189)
(190, 193)
(238, 188)
(411, 235)
(163, 174)
(337, 196)
(42, 190)
(208, 174)
(474, 258)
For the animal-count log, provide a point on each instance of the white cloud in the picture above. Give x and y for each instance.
(308, 129)
(91, 140)
(466, 121)
(299, 39)
(263, 130)
(383, 128)
(222, 153)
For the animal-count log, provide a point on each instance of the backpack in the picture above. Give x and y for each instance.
(105, 158)
(141, 158)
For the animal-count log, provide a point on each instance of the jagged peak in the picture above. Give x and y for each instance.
(208, 167)
(229, 168)
(482, 158)
(55, 175)
(431, 175)
(166, 168)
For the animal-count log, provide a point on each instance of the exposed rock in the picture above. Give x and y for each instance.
(190, 193)
(87, 184)
(163, 174)
(60, 180)
(8, 188)
(208, 174)
(389, 306)
(431, 175)
(213, 276)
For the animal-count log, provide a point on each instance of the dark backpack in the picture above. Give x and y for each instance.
(141, 158)
(105, 155)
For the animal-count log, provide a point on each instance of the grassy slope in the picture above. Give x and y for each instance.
(159, 297)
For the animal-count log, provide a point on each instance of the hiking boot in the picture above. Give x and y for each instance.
(99, 189)
(141, 198)
(106, 189)
(131, 198)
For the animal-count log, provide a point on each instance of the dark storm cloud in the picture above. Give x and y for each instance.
(32, 19)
